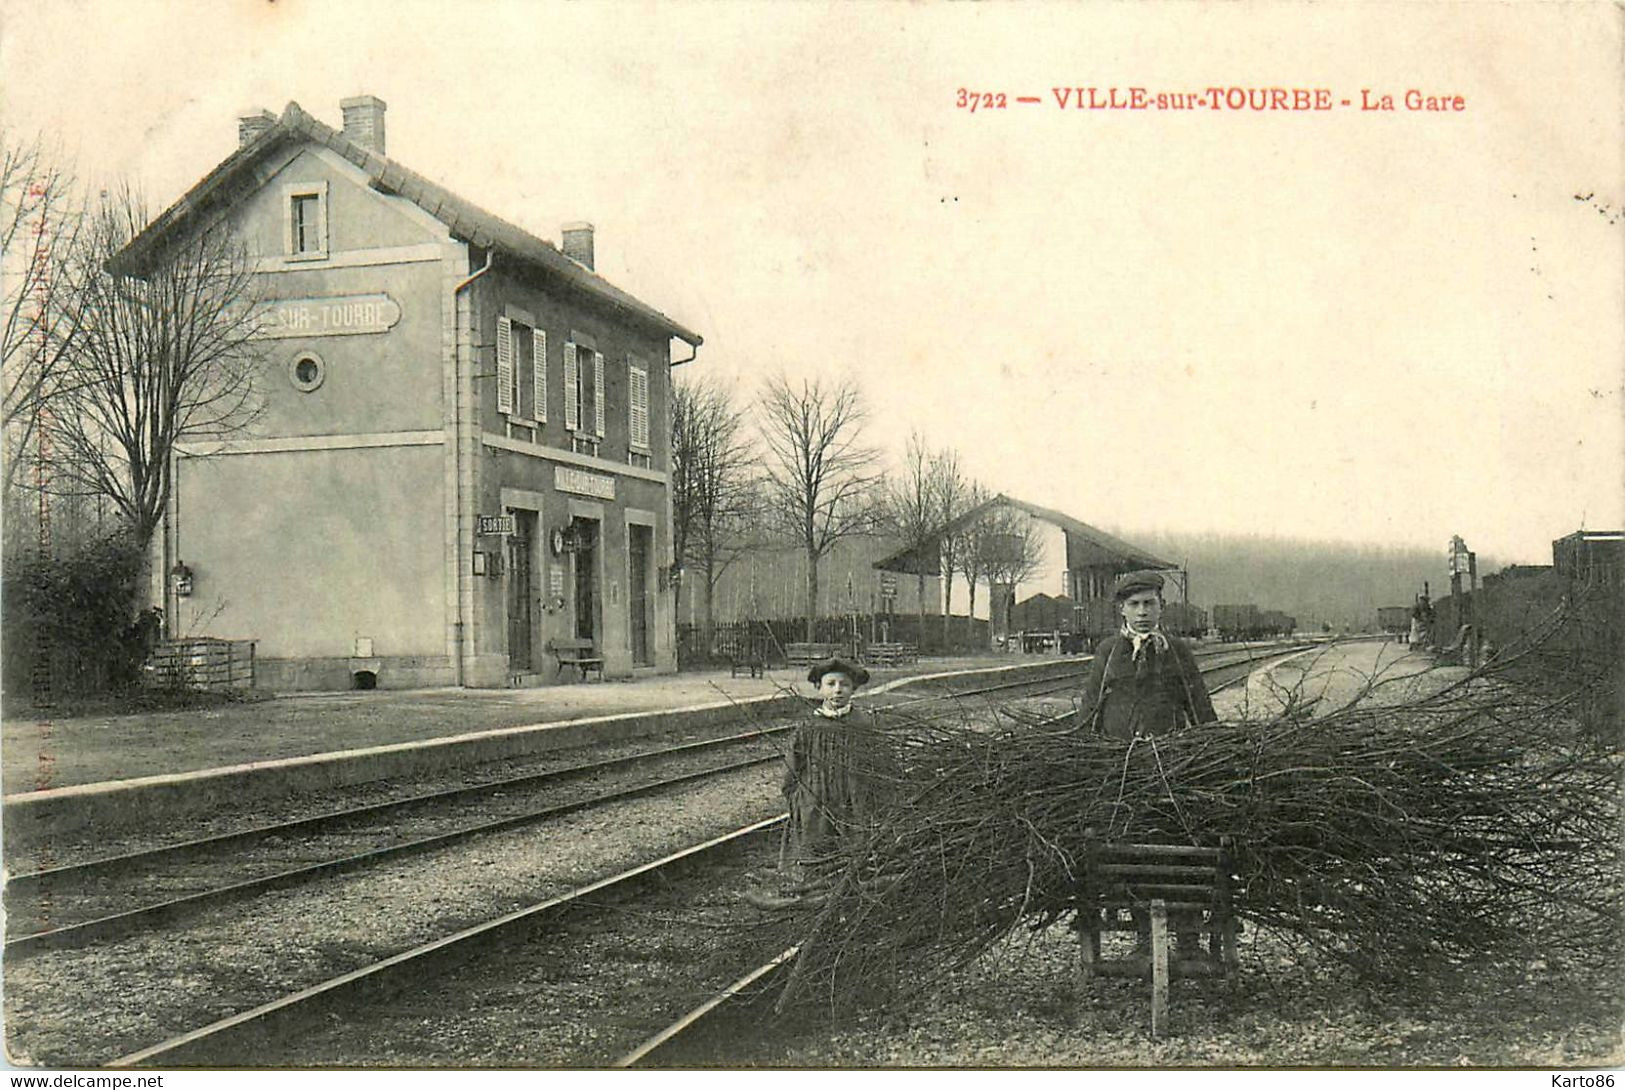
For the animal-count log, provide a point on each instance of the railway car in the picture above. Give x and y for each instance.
(1235, 622)
(1080, 625)
(1395, 620)
(1184, 619)
(1272, 622)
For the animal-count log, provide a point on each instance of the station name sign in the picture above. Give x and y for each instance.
(330, 316)
(582, 483)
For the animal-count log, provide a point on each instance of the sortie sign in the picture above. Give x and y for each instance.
(332, 316)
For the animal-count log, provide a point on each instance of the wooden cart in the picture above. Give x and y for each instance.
(1169, 885)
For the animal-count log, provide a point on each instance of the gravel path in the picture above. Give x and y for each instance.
(1023, 1006)
(87, 1006)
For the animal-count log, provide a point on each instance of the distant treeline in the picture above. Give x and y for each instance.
(1315, 581)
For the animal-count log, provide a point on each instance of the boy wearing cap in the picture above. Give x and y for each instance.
(1143, 682)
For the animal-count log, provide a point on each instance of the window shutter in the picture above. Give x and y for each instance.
(538, 340)
(504, 365)
(639, 403)
(572, 389)
(598, 392)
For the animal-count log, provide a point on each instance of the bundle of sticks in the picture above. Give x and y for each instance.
(1480, 821)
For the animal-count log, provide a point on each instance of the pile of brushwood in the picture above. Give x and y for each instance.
(1404, 832)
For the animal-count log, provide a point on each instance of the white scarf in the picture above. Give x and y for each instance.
(839, 713)
(1139, 639)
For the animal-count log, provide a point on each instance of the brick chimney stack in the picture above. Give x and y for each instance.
(251, 124)
(578, 243)
(364, 121)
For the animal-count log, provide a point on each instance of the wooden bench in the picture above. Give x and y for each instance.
(806, 654)
(891, 654)
(743, 653)
(579, 653)
(1162, 881)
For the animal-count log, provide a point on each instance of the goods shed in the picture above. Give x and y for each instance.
(1030, 558)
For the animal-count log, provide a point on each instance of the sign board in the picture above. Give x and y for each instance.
(494, 524)
(1460, 564)
(888, 584)
(329, 316)
(582, 483)
(555, 581)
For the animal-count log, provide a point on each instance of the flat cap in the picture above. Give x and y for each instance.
(1134, 582)
(858, 674)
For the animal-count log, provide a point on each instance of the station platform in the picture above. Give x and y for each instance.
(70, 772)
(65, 771)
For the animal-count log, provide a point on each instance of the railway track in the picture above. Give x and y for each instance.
(435, 956)
(66, 906)
(227, 1036)
(757, 979)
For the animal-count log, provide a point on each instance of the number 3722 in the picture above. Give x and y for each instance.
(980, 100)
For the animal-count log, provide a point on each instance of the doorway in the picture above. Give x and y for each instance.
(640, 547)
(585, 562)
(521, 592)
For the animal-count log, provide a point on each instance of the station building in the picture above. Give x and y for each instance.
(463, 458)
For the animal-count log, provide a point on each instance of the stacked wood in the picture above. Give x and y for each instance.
(1479, 823)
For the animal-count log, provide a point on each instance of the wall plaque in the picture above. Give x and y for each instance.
(582, 483)
(332, 316)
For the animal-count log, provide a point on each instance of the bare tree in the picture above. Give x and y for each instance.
(970, 544)
(165, 355)
(715, 502)
(820, 474)
(40, 219)
(1011, 549)
(951, 495)
(910, 512)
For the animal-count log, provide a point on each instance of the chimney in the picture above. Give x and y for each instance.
(364, 121)
(578, 242)
(251, 124)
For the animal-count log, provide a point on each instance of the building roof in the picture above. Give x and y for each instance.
(465, 220)
(1087, 546)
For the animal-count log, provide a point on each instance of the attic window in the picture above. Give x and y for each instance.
(305, 214)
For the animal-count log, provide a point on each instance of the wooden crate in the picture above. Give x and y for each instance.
(201, 663)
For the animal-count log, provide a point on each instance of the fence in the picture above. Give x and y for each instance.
(202, 663)
(853, 633)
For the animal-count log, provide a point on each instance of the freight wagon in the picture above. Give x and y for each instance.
(1235, 622)
(1395, 620)
(1248, 622)
(1079, 626)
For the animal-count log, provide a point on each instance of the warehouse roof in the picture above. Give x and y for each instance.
(1087, 546)
(465, 220)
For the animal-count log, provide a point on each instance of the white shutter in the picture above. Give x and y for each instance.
(598, 392)
(639, 402)
(538, 340)
(504, 365)
(572, 389)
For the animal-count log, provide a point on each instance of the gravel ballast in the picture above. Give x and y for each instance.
(88, 1006)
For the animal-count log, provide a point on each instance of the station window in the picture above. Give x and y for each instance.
(306, 371)
(637, 405)
(583, 394)
(521, 370)
(306, 221)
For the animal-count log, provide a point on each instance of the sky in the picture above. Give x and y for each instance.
(1365, 326)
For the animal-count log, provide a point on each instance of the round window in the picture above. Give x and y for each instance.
(306, 372)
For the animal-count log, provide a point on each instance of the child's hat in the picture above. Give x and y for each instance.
(858, 674)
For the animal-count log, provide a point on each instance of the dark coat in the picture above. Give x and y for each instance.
(837, 773)
(1162, 692)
